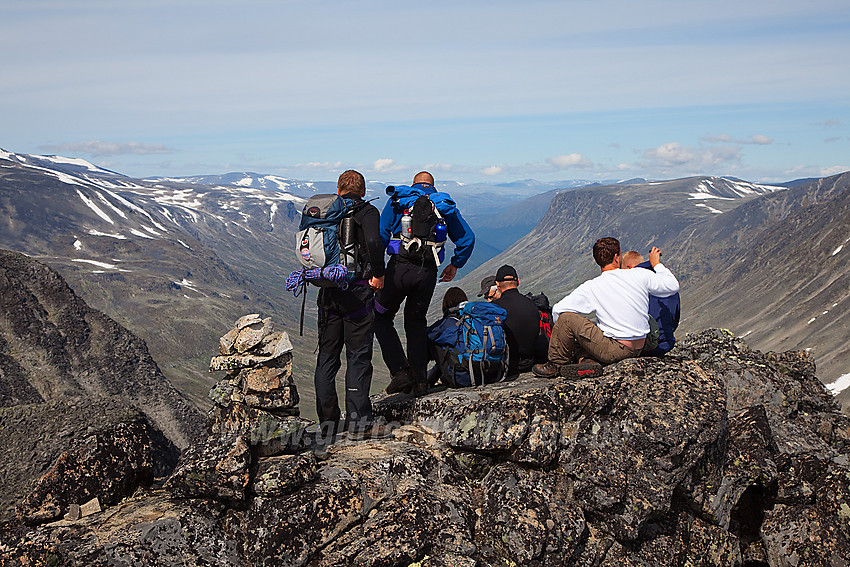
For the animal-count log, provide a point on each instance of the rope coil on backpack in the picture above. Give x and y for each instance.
(336, 273)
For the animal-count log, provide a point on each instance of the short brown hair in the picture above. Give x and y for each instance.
(351, 181)
(454, 297)
(605, 249)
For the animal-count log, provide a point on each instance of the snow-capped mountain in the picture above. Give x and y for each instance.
(766, 261)
(249, 180)
(175, 263)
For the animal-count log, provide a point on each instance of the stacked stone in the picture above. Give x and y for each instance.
(258, 361)
(255, 415)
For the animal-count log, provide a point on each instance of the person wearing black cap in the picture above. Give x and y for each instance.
(522, 325)
(489, 289)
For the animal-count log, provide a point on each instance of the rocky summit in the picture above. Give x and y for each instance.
(716, 455)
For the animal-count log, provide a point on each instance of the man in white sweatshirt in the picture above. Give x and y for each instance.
(620, 299)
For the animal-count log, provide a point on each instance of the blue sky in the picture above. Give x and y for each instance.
(474, 91)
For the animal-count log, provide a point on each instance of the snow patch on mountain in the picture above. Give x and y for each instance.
(710, 209)
(94, 232)
(59, 160)
(140, 234)
(703, 196)
(103, 265)
(90, 204)
(840, 384)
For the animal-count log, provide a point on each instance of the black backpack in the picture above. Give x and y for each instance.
(545, 311)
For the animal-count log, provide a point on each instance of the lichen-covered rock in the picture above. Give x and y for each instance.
(105, 465)
(519, 420)
(715, 455)
(239, 361)
(631, 455)
(269, 433)
(746, 475)
(216, 468)
(147, 529)
(526, 513)
(251, 333)
(277, 476)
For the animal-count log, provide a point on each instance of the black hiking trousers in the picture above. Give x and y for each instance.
(412, 282)
(345, 319)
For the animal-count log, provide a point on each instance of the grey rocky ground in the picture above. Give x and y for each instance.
(715, 455)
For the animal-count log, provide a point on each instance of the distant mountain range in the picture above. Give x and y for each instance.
(765, 261)
(555, 254)
(178, 260)
(176, 263)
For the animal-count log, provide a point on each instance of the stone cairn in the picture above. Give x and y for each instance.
(258, 361)
(255, 414)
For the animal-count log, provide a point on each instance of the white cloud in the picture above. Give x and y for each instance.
(98, 148)
(569, 160)
(323, 165)
(492, 170)
(386, 165)
(757, 139)
(674, 156)
(443, 167)
(834, 170)
(718, 138)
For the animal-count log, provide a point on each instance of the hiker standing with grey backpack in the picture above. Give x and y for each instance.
(340, 246)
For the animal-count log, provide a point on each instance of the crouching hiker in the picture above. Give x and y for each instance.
(664, 311)
(620, 298)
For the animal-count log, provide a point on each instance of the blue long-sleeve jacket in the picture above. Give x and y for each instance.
(458, 230)
(666, 311)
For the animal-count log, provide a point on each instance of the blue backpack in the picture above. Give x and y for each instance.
(325, 246)
(318, 237)
(479, 353)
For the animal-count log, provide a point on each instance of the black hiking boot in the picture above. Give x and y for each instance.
(374, 430)
(402, 382)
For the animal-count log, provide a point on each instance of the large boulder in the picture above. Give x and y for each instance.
(106, 466)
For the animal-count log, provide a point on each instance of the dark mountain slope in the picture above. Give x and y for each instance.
(67, 369)
(176, 264)
(555, 256)
(783, 284)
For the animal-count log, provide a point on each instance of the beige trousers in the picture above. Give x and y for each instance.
(575, 337)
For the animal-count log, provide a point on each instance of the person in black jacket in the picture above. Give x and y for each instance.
(522, 325)
(346, 318)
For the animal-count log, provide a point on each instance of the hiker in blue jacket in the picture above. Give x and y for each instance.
(443, 335)
(414, 232)
(665, 310)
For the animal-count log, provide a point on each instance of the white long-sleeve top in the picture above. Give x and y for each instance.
(620, 299)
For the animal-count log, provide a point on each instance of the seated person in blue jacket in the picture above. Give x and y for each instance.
(442, 334)
(665, 310)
